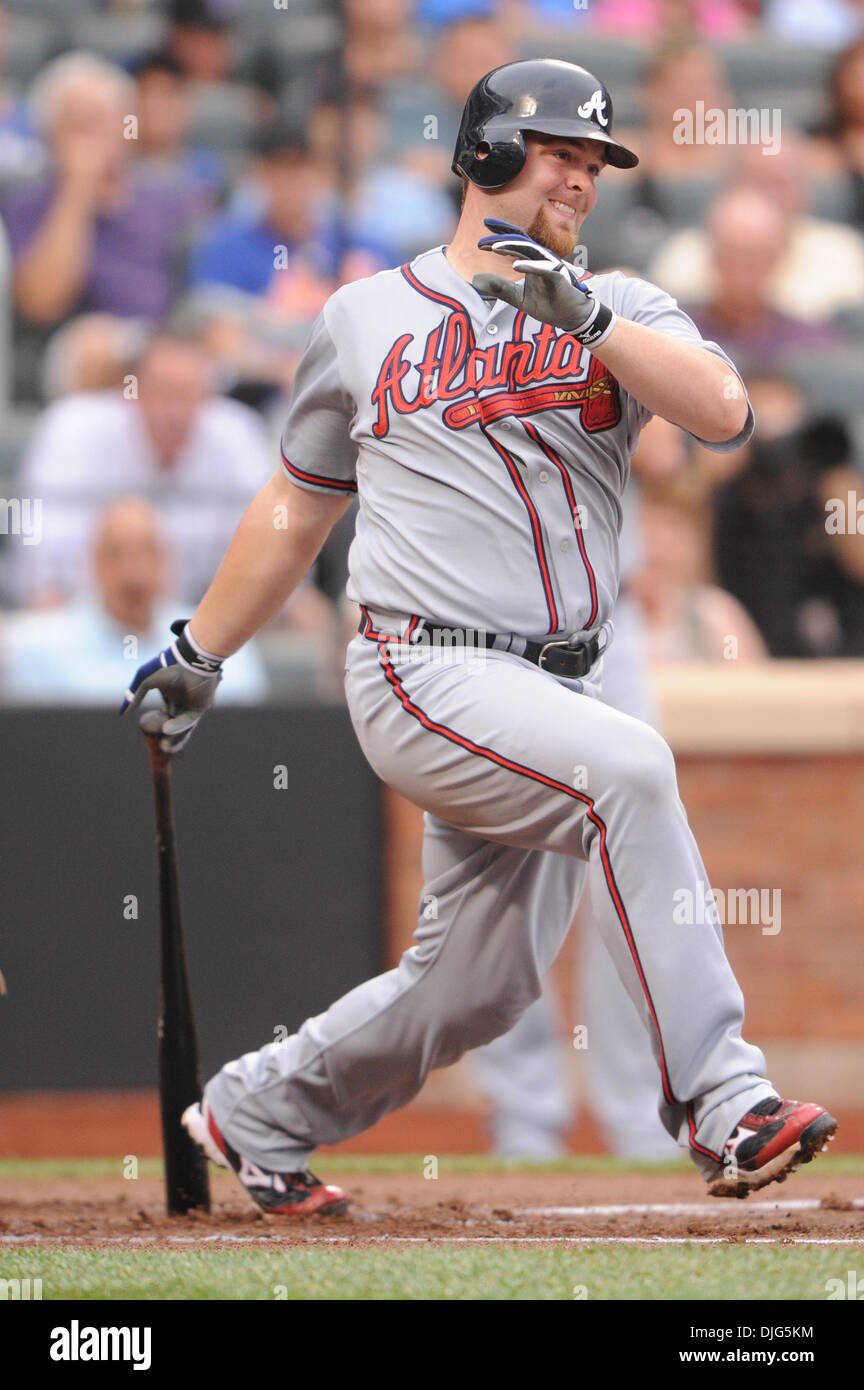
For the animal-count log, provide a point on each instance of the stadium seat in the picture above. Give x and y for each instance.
(851, 322)
(765, 71)
(617, 62)
(305, 29)
(30, 42)
(56, 10)
(223, 116)
(18, 426)
(117, 37)
(833, 199)
(685, 202)
(762, 63)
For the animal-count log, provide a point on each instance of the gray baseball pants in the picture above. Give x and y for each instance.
(525, 780)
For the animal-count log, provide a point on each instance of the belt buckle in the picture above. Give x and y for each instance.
(578, 652)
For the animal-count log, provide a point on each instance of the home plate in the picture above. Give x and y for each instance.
(716, 1208)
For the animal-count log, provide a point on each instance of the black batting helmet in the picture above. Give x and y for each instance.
(542, 94)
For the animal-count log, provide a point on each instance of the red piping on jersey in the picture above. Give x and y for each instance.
(482, 751)
(553, 458)
(536, 529)
(536, 532)
(338, 484)
(369, 630)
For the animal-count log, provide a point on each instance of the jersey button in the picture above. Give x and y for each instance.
(543, 475)
(565, 546)
(492, 328)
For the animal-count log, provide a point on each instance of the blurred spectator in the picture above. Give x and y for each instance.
(681, 74)
(379, 42)
(422, 113)
(834, 24)
(90, 353)
(769, 527)
(680, 173)
(200, 38)
(683, 266)
(279, 238)
(86, 651)
(686, 617)
(198, 457)
(393, 202)
(95, 234)
(715, 20)
(831, 621)
(841, 152)
(164, 115)
(253, 348)
(748, 235)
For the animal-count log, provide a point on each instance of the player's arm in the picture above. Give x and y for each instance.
(273, 549)
(679, 380)
(274, 546)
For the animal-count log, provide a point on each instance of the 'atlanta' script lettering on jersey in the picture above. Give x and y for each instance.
(522, 377)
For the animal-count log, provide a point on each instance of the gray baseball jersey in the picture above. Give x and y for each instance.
(490, 453)
(489, 450)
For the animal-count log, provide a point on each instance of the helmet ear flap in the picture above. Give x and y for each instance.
(491, 165)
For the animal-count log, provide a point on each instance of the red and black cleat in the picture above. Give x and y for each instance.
(769, 1143)
(281, 1194)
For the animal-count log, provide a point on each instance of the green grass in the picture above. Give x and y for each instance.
(447, 1273)
(51, 1168)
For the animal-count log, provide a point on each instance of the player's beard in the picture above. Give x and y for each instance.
(562, 242)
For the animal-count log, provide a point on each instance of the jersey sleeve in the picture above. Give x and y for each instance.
(318, 452)
(647, 304)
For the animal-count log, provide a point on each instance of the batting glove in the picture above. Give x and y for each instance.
(551, 290)
(186, 676)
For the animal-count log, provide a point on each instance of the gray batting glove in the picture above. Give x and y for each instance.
(186, 676)
(551, 290)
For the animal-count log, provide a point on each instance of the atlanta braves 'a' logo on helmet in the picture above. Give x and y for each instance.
(596, 103)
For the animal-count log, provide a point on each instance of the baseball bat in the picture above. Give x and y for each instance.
(187, 1184)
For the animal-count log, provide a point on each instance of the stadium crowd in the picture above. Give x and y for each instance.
(184, 182)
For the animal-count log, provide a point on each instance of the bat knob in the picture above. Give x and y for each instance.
(151, 722)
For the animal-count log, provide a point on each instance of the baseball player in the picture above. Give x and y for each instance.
(483, 401)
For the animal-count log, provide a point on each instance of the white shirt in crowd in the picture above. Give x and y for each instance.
(92, 447)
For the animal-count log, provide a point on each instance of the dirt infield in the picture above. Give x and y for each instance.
(468, 1206)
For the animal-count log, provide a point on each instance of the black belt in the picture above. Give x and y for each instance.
(559, 658)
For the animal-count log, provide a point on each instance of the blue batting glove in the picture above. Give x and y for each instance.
(186, 677)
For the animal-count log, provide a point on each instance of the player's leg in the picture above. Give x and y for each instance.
(523, 1072)
(623, 1081)
(503, 758)
(502, 750)
(481, 949)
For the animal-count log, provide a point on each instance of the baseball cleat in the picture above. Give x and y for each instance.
(280, 1194)
(769, 1143)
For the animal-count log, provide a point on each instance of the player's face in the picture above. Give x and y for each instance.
(555, 190)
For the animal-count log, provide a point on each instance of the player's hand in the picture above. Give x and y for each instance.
(551, 290)
(186, 677)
